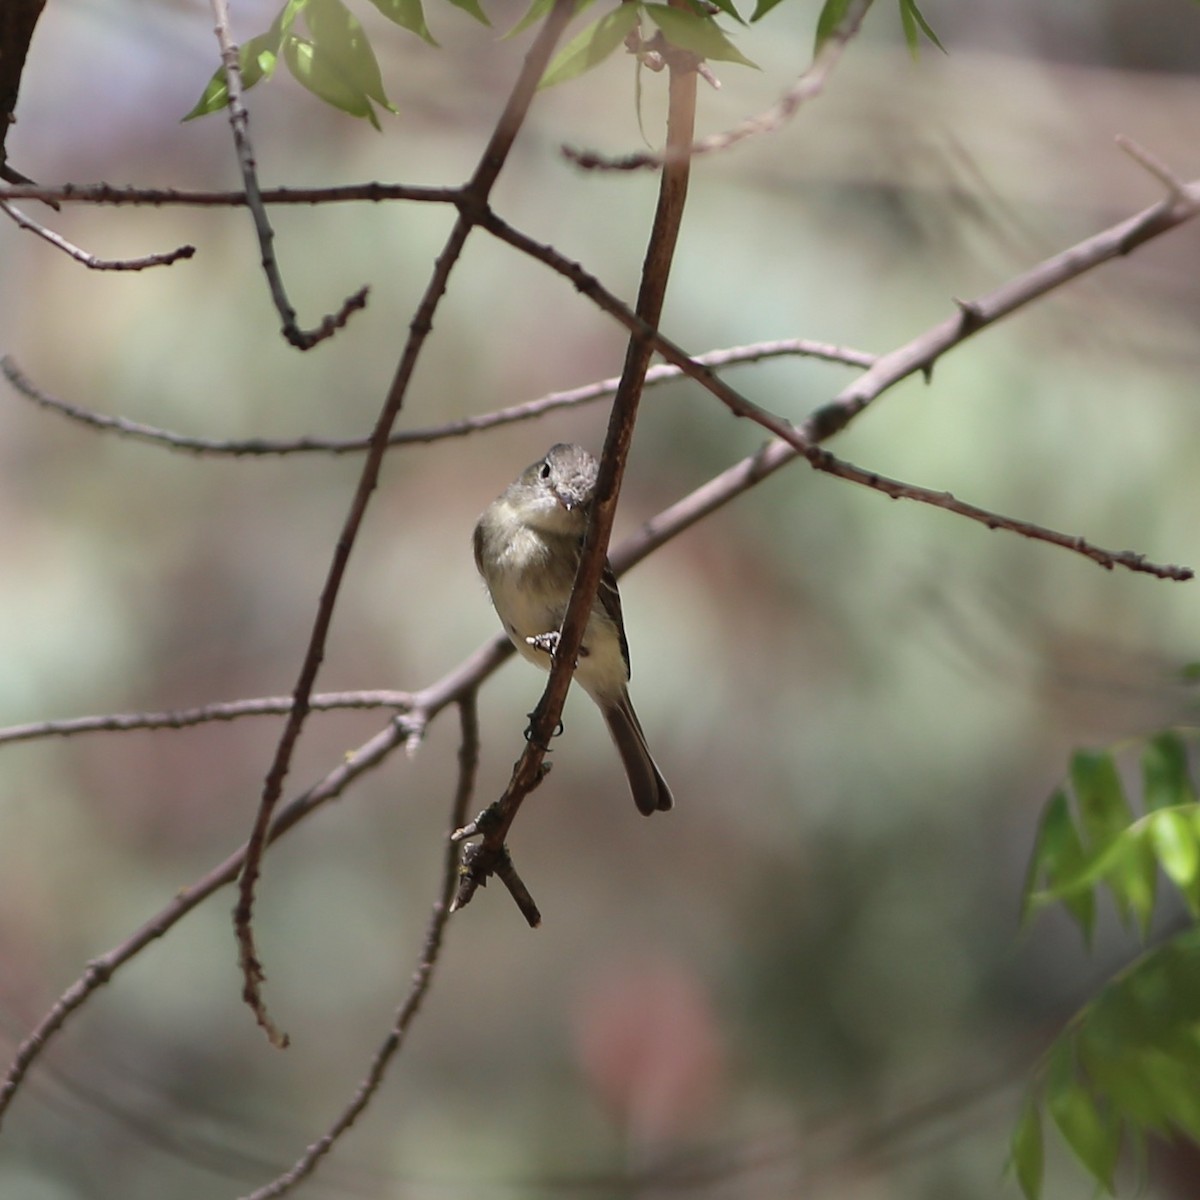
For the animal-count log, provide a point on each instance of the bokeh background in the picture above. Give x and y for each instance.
(809, 979)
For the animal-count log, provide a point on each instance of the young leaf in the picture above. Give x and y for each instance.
(322, 79)
(341, 48)
(591, 46)
(829, 19)
(1173, 837)
(472, 8)
(409, 15)
(726, 6)
(1095, 1139)
(698, 34)
(1028, 1153)
(914, 23)
(1058, 854)
(536, 11)
(257, 59)
(1102, 803)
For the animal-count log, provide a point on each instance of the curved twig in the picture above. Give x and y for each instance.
(90, 260)
(256, 447)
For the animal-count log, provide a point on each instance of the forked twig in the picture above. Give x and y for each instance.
(422, 979)
(239, 121)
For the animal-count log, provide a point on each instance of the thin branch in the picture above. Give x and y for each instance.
(809, 85)
(917, 355)
(100, 970)
(468, 764)
(107, 193)
(183, 718)
(239, 121)
(475, 197)
(90, 260)
(254, 447)
(491, 855)
(1152, 163)
(896, 489)
(923, 351)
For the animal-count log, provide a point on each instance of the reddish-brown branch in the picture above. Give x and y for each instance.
(491, 855)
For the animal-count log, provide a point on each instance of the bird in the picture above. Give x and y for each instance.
(527, 546)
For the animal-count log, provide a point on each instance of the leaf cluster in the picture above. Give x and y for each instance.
(333, 58)
(1126, 1065)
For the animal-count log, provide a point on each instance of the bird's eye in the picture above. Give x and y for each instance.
(545, 471)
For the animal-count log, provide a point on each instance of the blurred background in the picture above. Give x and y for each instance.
(809, 979)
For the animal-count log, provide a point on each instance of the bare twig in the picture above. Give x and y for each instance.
(107, 193)
(468, 764)
(822, 460)
(253, 447)
(475, 197)
(809, 85)
(922, 352)
(491, 855)
(90, 260)
(239, 121)
(1152, 163)
(184, 718)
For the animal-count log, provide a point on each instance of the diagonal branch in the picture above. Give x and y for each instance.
(490, 856)
(475, 201)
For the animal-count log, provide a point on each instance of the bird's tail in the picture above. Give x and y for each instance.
(650, 791)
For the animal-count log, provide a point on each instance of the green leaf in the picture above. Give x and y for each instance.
(1095, 1139)
(257, 59)
(1102, 803)
(322, 79)
(341, 47)
(726, 6)
(829, 19)
(409, 14)
(698, 34)
(592, 45)
(1028, 1153)
(472, 8)
(1173, 837)
(1166, 781)
(536, 11)
(1058, 854)
(914, 23)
